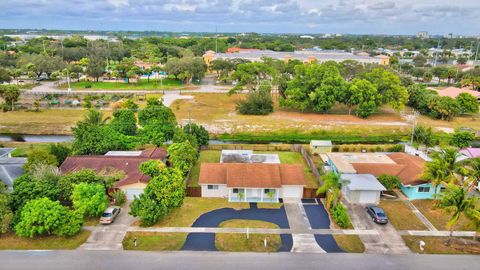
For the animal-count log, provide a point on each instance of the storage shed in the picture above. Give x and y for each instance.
(320, 147)
(361, 188)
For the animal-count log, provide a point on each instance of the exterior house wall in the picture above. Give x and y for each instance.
(133, 189)
(362, 196)
(221, 192)
(319, 149)
(412, 192)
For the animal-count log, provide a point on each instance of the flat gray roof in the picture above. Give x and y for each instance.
(362, 182)
(5, 151)
(11, 169)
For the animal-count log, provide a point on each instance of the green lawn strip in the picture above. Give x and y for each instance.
(207, 156)
(22, 148)
(142, 85)
(154, 241)
(193, 208)
(401, 216)
(10, 241)
(350, 243)
(245, 223)
(439, 217)
(270, 205)
(236, 242)
(433, 245)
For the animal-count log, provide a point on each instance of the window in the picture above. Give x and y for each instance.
(442, 189)
(235, 191)
(266, 191)
(423, 189)
(213, 187)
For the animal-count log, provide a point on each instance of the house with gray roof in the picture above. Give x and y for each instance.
(10, 167)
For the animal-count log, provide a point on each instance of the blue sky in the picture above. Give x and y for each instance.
(267, 16)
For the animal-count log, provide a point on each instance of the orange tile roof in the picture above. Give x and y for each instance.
(252, 175)
(453, 92)
(408, 168)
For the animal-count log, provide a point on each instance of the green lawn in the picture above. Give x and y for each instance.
(207, 156)
(439, 217)
(245, 223)
(10, 241)
(22, 148)
(349, 243)
(142, 85)
(154, 241)
(433, 245)
(401, 217)
(193, 208)
(236, 242)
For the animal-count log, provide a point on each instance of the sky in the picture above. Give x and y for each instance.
(262, 16)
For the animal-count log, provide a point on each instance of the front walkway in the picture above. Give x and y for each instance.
(298, 221)
(387, 241)
(110, 237)
(417, 212)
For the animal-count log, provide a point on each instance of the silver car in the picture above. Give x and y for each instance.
(110, 214)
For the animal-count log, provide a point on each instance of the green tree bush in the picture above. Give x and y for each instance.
(90, 199)
(340, 215)
(200, 133)
(462, 139)
(256, 103)
(390, 182)
(182, 156)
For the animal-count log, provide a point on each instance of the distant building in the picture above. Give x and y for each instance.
(320, 147)
(306, 56)
(453, 92)
(422, 34)
(307, 37)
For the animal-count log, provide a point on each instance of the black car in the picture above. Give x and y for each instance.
(377, 214)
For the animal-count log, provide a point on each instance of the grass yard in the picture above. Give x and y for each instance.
(433, 245)
(142, 85)
(207, 156)
(22, 148)
(244, 223)
(439, 217)
(400, 216)
(154, 241)
(349, 243)
(296, 158)
(236, 242)
(193, 208)
(46, 121)
(270, 205)
(10, 241)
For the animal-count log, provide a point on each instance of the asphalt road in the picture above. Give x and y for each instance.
(133, 260)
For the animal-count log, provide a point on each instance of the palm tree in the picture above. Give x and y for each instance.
(471, 172)
(332, 184)
(456, 201)
(443, 167)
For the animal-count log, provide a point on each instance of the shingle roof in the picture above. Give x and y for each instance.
(471, 152)
(129, 165)
(252, 175)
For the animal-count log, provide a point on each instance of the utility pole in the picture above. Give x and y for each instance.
(436, 53)
(216, 39)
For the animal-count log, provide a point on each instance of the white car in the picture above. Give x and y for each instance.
(110, 214)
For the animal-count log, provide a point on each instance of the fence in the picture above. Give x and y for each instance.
(194, 192)
(308, 159)
(254, 147)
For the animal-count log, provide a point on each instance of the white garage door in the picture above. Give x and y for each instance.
(292, 191)
(133, 191)
(368, 196)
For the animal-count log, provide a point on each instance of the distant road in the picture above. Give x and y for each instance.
(133, 260)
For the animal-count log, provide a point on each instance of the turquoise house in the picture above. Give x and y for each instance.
(421, 191)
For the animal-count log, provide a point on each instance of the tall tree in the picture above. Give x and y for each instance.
(332, 184)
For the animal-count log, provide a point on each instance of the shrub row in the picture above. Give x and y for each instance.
(340, 216)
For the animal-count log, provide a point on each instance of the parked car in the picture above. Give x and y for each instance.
(110, 214)
(377, 214)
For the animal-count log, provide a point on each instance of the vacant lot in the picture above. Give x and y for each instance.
(439, 217)
(154, 241)
(217, 113)
(400, 216)
(10, 241)
(193, 208)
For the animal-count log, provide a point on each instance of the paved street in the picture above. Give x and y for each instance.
(133, 260)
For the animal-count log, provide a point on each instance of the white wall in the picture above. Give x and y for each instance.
(291, 192)
(221, 192)
(362, 196)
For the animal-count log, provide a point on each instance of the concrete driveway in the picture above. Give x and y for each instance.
(110, 237)
(388, 241)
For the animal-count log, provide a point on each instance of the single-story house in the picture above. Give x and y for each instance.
(10, 168)
(406, 167)
(453, 92)
(127, 161)
(252, 182)
(361, 188)
(247, 156)
(320, 147)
